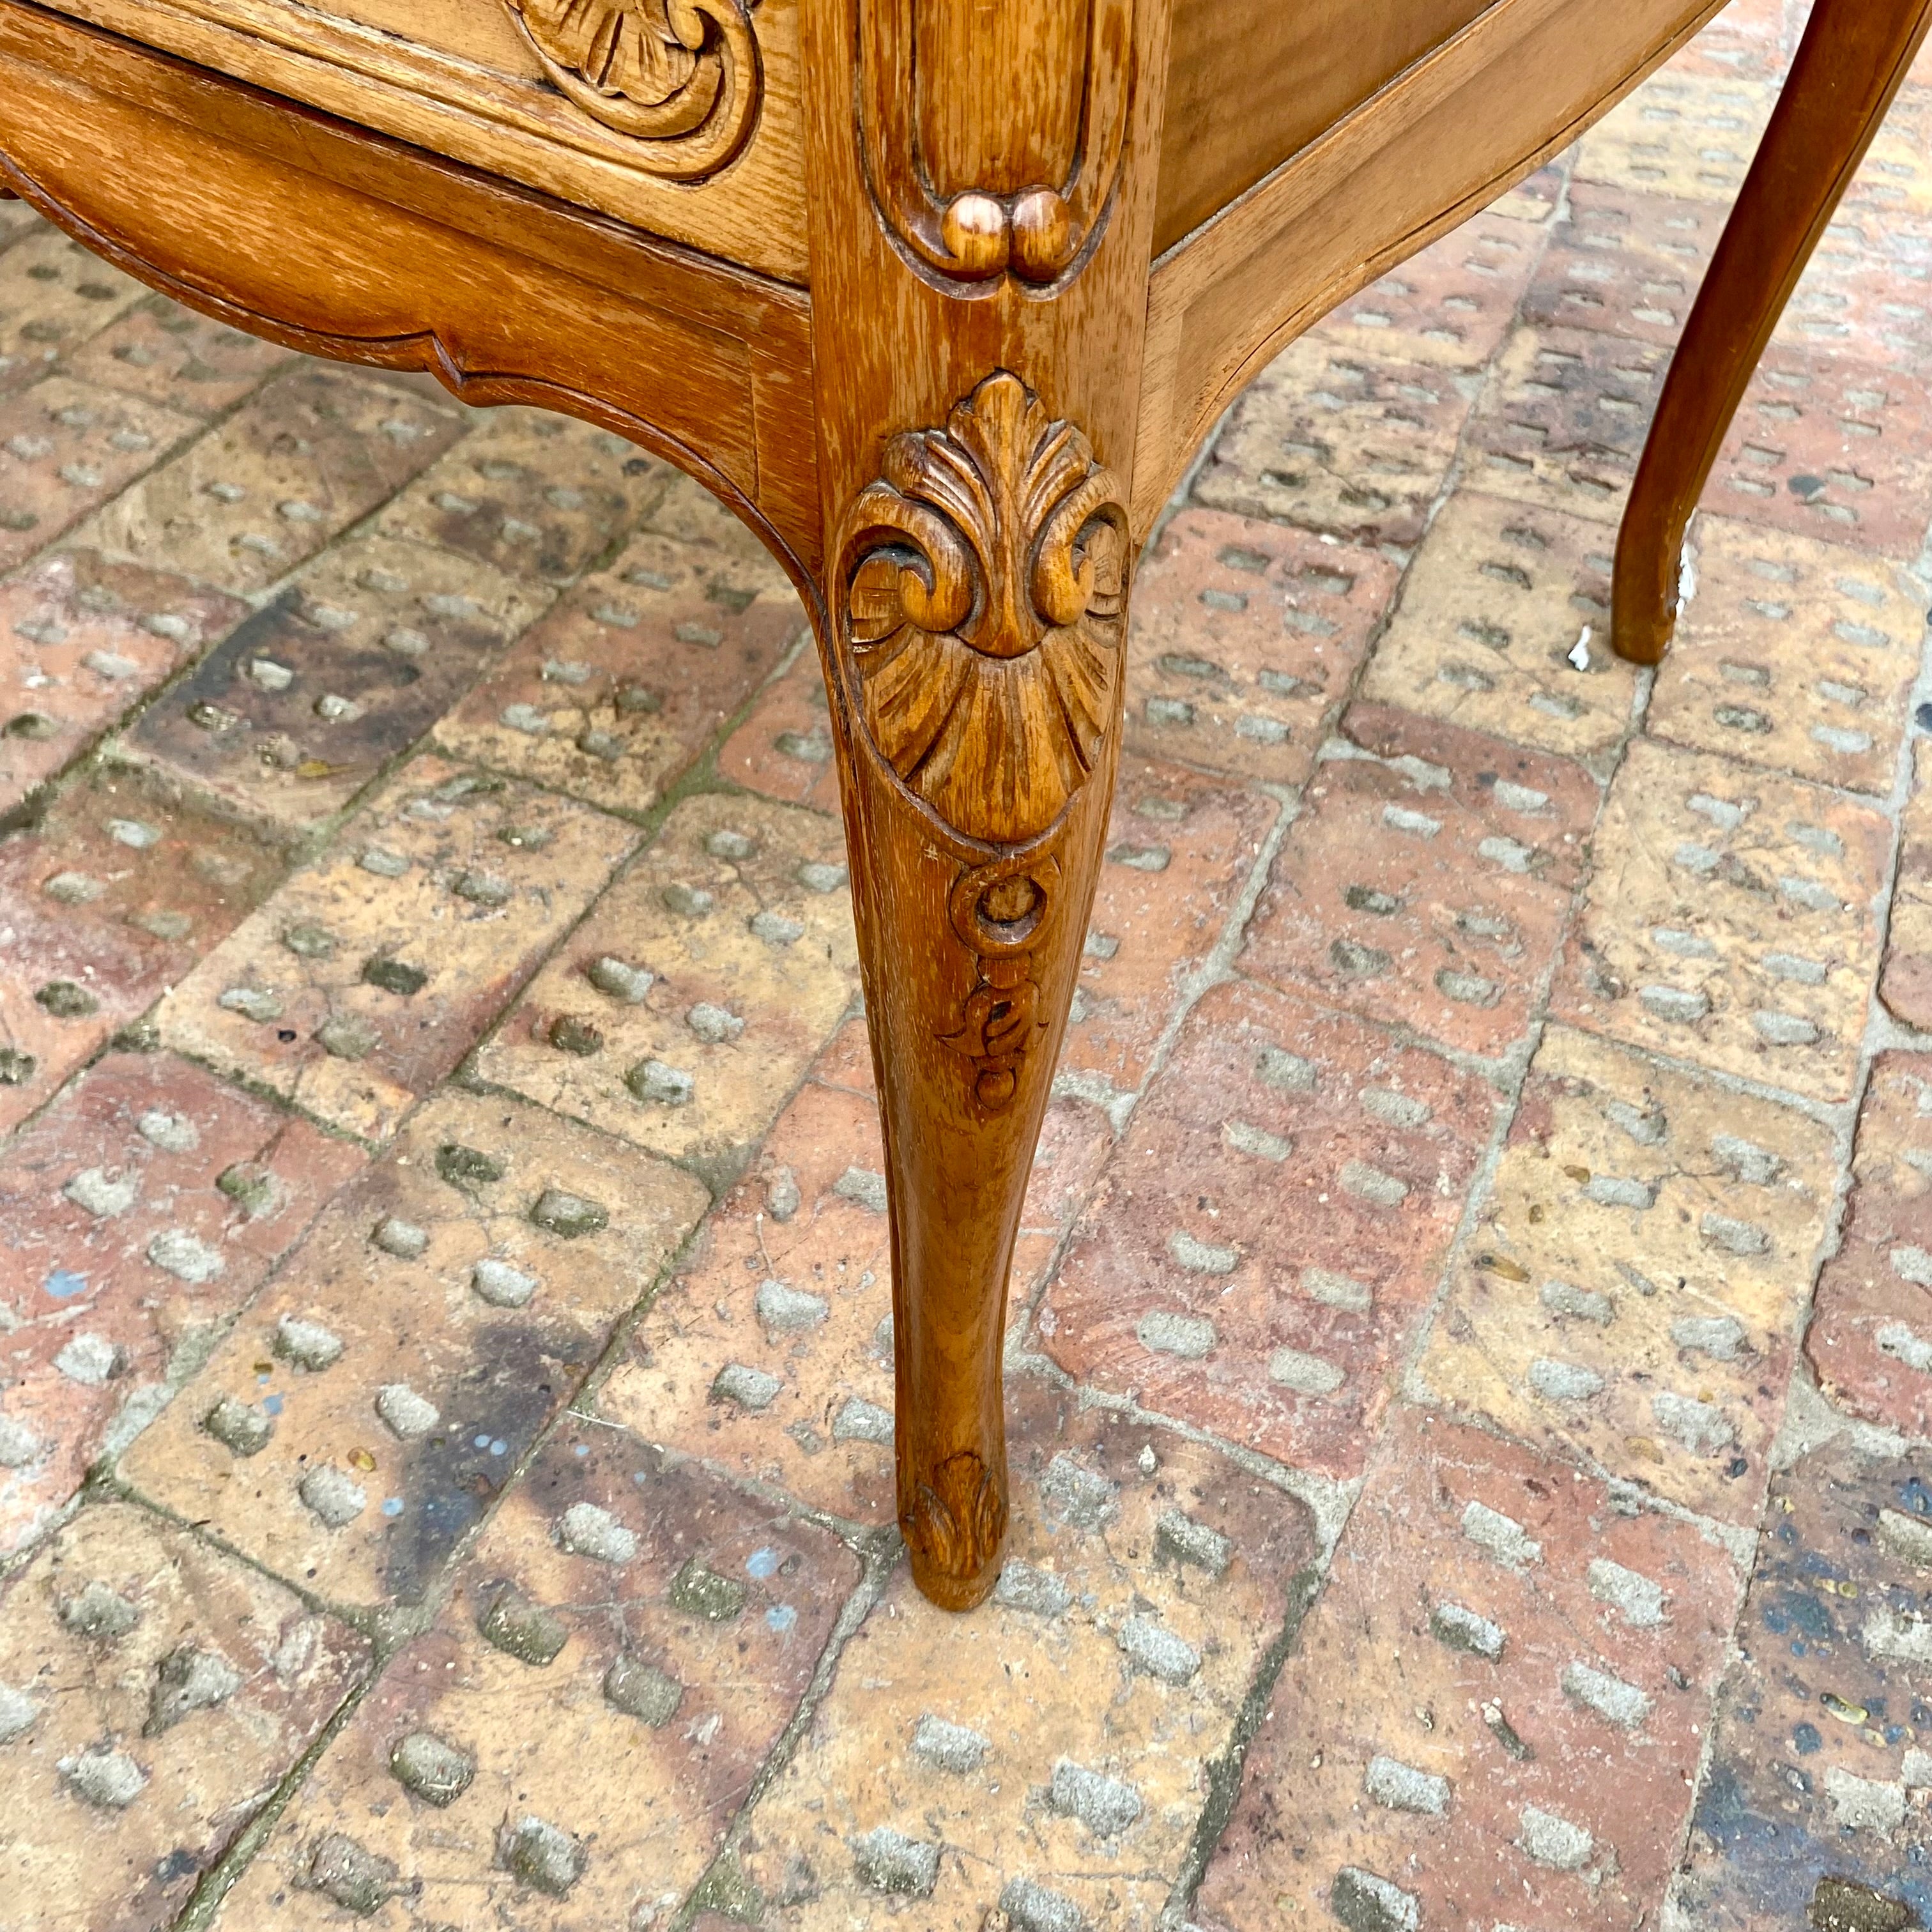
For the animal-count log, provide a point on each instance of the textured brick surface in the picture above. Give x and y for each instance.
(1633, 1290)
(1504, 626)
(1245, 638)
(529, 493)
(304, 705)
(1813, 1809)
(1427, 880)
(58, 296)
(791, 1277)
(404, 1360)
(1793, 653)
(81, 641)
(1749, 40)
(143, 1211)
(956, 1764)
(1534, 200)
(1906, 985)
(1495, 1714)
(1833, 449)
(1894, 182)
(1180, 849)
(106, 901)
(314, 451)
(1562, 422)
(1625, 261)
(171, 1687)
(370, 974)
(441, 1182)
(1629, 261)
(1866, 295)
(1871, 1335)
(1338, 441)
(66, 447)
(1687, 136)
(16, 219)
(653, 1631)
(739, 919)
(170, 355)
(630, 677)
(784, 747)
(1451, 304)
(1264, 1240)
(1728, 920)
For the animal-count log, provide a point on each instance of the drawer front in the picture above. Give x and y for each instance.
(681, 117)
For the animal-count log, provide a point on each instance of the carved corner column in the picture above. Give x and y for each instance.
(981, 186)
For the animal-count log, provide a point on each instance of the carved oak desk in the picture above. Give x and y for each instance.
(940, 296)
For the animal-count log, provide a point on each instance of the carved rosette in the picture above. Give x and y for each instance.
(1040, 233)
(983, 586)
(682, 77)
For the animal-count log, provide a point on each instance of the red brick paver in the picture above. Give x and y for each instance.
(1494, 1714)
(1265, 1239)
(143, 1209)
(1813, 1810)
(1429, 879)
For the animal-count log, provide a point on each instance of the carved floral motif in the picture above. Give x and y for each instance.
(682, 75)
(1039, 233)
(957, 1520)
(984, 586)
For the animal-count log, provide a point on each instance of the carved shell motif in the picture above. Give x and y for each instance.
(681, 75)
(986, 595)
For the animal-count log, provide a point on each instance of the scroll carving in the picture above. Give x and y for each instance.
(983, 580)
(1039, 233)
(682, 77)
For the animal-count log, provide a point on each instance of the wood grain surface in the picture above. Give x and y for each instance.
(459, 78)
(286, 222)
(974, 438)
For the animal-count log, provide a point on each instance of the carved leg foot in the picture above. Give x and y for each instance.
(1854, 55)
(978, 597)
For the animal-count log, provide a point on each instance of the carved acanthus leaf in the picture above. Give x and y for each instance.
(681, 76)
(984, 586)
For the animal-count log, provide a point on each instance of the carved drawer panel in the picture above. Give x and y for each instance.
(681, 116)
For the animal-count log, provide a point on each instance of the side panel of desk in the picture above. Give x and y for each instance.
(1440, 142)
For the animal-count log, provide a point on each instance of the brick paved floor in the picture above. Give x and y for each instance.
(1471, 1364)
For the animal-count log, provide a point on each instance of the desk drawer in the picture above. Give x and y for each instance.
(690, 131)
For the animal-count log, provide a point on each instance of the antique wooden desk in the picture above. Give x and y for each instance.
(940, 296)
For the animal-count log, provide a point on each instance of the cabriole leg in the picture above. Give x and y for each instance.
(982, 193)
(978, 599)
(1853, 56)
